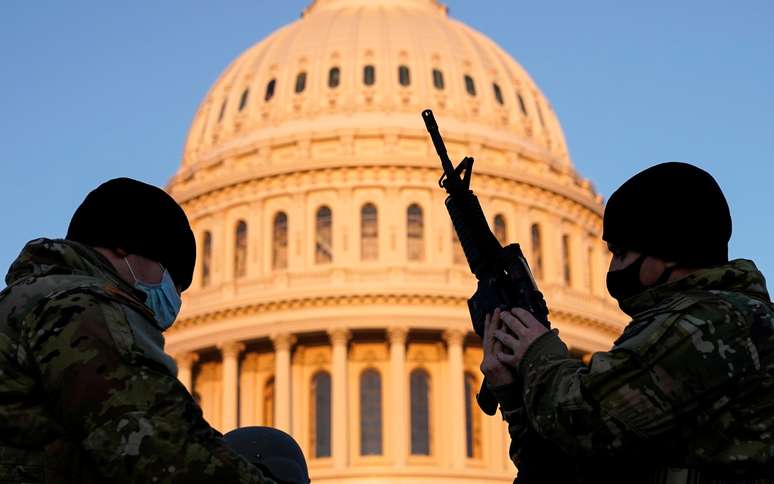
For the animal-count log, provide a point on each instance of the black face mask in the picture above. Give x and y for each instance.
(625, 283)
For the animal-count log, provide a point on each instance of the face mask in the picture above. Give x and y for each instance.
(625, 283)
(162, 299)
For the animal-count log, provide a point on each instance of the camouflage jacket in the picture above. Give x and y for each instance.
(686, 394)
(87, 393)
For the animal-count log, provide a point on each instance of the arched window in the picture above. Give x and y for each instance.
(222, 110)
(370, 413)
(498, 93)
(500, 229)
(321, 414)
(270, 90)
(206, 258)
(566, 259)
(268, 403)
(438, 79)
(300, 82)
(537, 251)
(590, 262)
(420, 412)
(404, 76)
(244, 98)
(522, 105)
(458, 255)
(369, 75)
(415, 245)
(334, 77)
(323, 253)
(470, 86)
(472, 418)
(369, 232)
(279, 242)
(240, 250)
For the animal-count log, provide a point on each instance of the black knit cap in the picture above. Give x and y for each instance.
(674, 211)
(141, 219)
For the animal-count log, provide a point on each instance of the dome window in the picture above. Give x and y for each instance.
(279, 243)
(321, 414)
(420, 412)
(243, 99)
(567, 261)
(404, 76)
(500, 229)
(470, 86)
(438, 79)
(300, 82)
(472, 419)
(498, 93)
(334, 77)
(415, 223)
(540, 116)
(240, 250)
(324, 240)
(222, 110)
(370, 412)
(206, 258)
(522, 106)
(369, 232)
(369, 75)
(270, 90)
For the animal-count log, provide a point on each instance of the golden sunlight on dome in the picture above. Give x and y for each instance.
(330, 293)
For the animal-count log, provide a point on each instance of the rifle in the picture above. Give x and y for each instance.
(504, 278)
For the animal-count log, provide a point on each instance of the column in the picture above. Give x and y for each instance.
(230, 352)
(399, 424)
(185, 364)
(456, 404)
(282, 344)
(339, 425)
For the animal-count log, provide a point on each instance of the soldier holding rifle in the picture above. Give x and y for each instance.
(686, 393)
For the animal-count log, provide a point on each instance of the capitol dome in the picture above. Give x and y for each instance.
(329, 298)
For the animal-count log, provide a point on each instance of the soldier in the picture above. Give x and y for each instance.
(686, 394)
(87, 393)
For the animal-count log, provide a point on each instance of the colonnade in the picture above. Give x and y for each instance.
(397, 393)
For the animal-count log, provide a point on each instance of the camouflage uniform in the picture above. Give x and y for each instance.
(686, 394)
(87, 393)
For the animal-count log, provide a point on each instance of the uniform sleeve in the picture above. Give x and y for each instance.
(680, 369)
(136, 421)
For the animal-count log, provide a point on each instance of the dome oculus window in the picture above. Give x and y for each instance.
(270, 90)
(404, 76)
(244, 98)
(498, 93)
(369, 75)
(334, 77)
(522, 105)
(222, 111)
(438, 79)
(300, 82)
(470, 85)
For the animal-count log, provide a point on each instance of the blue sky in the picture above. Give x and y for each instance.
(91, 90)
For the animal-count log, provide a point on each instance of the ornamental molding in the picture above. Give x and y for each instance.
(212, 318)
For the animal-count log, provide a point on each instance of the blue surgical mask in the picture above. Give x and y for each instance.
(162, 299)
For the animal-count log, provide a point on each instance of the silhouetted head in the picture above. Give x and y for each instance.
(662, 224)
(271, 450)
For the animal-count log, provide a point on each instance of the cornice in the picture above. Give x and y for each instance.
(214, 317)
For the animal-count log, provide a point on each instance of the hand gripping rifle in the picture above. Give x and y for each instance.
(504, 278)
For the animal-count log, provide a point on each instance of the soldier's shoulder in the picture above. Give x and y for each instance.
(694, 311)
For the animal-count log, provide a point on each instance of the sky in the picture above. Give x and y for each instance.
(92, 90)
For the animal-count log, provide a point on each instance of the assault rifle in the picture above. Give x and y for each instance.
(504, 278)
